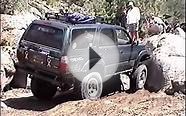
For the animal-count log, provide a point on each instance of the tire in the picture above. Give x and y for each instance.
(155, 78)
(112, 85)
(20, 79)
(139, 78)
(42, 89)
(91, 87)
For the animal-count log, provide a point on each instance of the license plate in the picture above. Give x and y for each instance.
(37, 59)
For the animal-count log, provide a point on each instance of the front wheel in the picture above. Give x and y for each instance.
(42, 89)
(139, 78)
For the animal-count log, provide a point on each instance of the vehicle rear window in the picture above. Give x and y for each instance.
(45, 35)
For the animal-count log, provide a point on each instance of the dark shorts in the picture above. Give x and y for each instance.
(133, 27)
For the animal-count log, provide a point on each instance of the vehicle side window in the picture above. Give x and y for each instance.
(110, 34)
(88, 37)
(122, 37)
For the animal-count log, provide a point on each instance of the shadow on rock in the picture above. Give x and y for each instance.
(155, 80)
(31, 103)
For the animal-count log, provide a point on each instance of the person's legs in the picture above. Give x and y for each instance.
(131, 34)
(136, 26)
(135, 36)
(132, 31)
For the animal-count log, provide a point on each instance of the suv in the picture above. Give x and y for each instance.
(42, 56)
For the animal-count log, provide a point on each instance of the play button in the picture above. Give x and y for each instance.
(93, 53)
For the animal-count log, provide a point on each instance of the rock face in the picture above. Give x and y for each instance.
(12, 30)
(12, 27)
(7, 6)
(7, 69)
(169, 51)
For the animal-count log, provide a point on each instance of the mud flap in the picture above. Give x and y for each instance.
(125, 81)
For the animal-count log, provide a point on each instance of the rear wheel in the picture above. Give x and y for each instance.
(42, 89)
(91, 86)
(20, 79)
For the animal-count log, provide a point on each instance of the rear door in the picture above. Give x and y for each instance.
(82, 38)
(41, 47)
(107, 48)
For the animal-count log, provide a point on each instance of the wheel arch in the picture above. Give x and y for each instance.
(141, 58)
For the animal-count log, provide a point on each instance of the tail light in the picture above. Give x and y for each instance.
(64, 65)
(22, 53)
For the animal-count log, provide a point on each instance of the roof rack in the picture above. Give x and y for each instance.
(68, 18)
(56, 16)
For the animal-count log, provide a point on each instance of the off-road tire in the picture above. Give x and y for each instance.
(83, 89)
(20, 79)
(42, 89)
(138, 78)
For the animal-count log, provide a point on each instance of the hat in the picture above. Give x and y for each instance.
(131, 4)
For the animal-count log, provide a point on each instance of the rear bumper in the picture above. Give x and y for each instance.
(50, 77)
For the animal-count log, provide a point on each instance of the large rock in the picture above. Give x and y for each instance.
(179, 31)
(7, 69)
(169, 51)
(12, 27)
(12, 30)
(7, 6)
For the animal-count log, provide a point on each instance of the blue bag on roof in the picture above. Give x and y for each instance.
(78, 18)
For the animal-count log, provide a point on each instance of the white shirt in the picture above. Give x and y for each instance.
(133, 15)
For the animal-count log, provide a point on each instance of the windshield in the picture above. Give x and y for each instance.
(45, 35)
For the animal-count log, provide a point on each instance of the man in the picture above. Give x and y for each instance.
(133, 17)
(124, 18)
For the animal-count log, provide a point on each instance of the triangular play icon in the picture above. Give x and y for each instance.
(93, 58)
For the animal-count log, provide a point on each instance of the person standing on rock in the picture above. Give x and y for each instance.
(133, 18)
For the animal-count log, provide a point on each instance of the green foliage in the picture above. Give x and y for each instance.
(106, 8)
(51, 2)
(175, 8)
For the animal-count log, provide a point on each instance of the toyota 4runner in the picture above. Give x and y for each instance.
(42, 56)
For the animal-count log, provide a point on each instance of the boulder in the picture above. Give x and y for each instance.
(179, 31)
(169, 50)
(3, 105)
(12, 27)
(153, 29)
(7, 69)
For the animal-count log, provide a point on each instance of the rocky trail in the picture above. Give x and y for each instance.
(20, 102)
(170, 59)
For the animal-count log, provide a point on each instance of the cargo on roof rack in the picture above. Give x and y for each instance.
(74, 18)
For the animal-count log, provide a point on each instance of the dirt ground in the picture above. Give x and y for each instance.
(22, 103)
